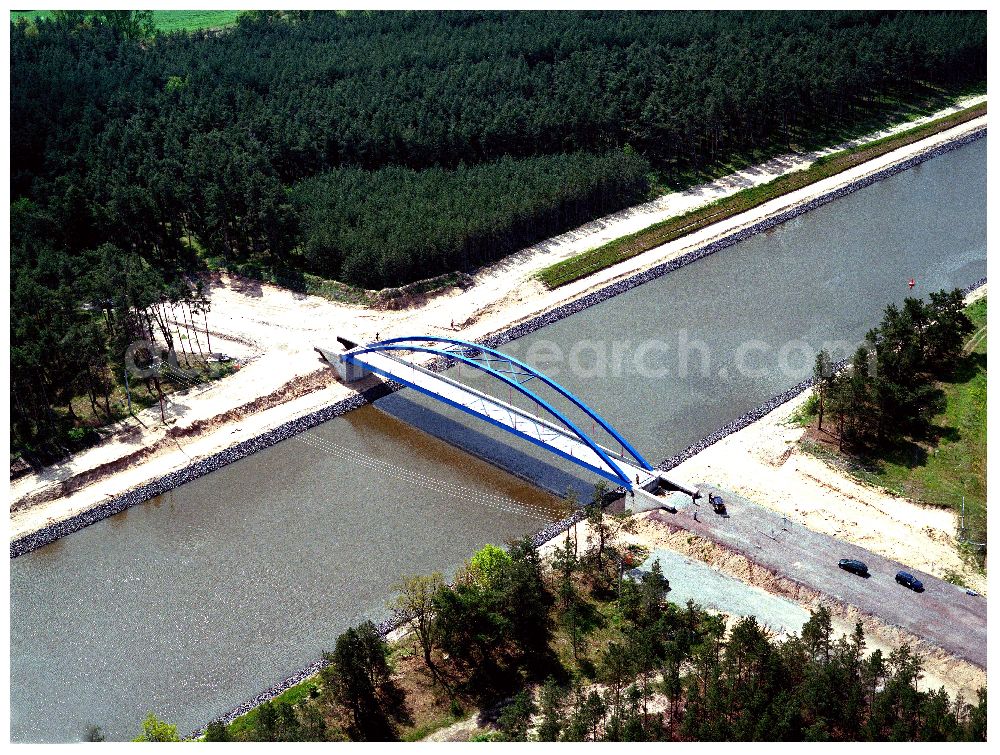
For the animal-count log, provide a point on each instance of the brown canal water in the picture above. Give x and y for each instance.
(194, 602)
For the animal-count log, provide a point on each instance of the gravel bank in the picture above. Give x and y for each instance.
(547, 533)
(241, 450)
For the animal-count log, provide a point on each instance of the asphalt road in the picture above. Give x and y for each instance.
(943, 615)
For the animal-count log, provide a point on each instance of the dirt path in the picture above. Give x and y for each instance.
(274, 331)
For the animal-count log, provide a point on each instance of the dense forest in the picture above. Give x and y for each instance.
(572, 649)
(414, 219)
(380, 148)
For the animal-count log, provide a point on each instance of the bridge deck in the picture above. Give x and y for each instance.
(556, 439)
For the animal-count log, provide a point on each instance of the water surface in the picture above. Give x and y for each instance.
(196, 601)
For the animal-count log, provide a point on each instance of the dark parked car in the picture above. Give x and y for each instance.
(908, 580)
(854, 566)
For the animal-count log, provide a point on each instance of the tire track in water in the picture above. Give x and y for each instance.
(143, 493)
(455, 490)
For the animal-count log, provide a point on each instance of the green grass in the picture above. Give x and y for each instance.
(194, 20)
(244, 725)
(166, 20)
(940, 473)
(955, 578)
(626, 247)
(805, 415)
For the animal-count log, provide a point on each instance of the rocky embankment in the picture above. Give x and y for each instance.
(241, 450)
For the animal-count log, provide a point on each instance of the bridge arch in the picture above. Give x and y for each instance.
(514, 374)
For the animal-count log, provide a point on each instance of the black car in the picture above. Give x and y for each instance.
(908, 580)
(854, 566)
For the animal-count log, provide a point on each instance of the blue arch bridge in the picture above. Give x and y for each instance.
(556, 424)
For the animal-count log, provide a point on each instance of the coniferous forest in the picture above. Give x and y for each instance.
(570, 650)
(379, 148)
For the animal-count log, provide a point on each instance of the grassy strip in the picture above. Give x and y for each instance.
(620, 249)
(165, 20)
(193, 20)
(244, 725)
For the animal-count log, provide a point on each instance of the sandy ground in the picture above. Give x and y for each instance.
(274, 331)
(763, 464)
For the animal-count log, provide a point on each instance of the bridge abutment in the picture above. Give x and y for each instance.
(347, 372)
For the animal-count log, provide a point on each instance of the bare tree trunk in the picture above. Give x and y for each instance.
(90, 391)
(159, 393)
(146, 318)
(161, 323)
(107, 397)
(192, 328)
(204, 314)
(177, 325)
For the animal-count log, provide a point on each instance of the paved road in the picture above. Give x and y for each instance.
(943, 614)
(709, 588)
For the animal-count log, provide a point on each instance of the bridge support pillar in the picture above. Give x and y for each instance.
(347, 372)
(656, 493)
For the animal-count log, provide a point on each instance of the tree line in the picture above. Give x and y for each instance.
(576, 649)
(154, 141)
(75, 320)
(888, 391)
(382, 147)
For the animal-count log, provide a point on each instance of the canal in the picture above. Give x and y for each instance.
(195, 601)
